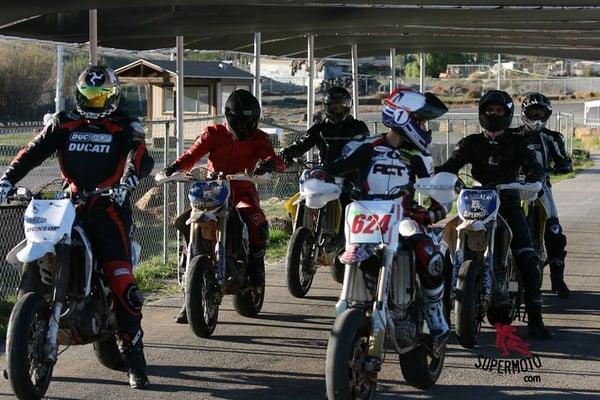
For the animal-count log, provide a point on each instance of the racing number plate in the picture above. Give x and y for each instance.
(373, 222)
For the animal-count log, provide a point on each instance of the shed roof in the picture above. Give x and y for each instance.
(192, 69)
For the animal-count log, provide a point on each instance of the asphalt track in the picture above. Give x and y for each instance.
(281, 354)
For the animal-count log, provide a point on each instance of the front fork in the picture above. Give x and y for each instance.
(318, 235)
(488, 271)
(63, 252)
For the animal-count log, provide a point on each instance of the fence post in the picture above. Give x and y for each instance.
(166, 198)
(447, 139)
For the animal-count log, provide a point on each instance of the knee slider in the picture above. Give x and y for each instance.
(134, 297)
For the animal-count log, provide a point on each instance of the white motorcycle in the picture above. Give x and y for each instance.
(68, 300)
(484, 280)
(381, 299)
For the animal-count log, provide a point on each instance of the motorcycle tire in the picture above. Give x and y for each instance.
(348, 345)
(420, 368)
(249, 301)
(447, 274)
(468, 321)
(30, 317)
(201, 308)
(108, 353)
(299, 258)
(337, 271)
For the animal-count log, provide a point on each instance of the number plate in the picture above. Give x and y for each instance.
(373, 222)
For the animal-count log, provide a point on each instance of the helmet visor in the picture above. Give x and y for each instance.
(95, 96)
(537, 113)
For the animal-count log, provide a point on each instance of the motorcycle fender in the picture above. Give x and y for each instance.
(33, 251)
(11, 257)
(291, 205)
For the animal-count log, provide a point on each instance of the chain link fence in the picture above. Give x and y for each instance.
(155, 207)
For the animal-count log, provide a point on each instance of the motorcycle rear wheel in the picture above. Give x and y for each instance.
(347, 352)
(28, 372)
(299, 269)
(420, 368)
(468, 298)
(201, 300)
(249, 301)
(108, 353)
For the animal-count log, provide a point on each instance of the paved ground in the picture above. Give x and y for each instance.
(281, 354)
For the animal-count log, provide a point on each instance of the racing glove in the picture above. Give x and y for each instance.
(264, 167)
(121, 193)
(171, 169)
(5, 188)
(286, 156)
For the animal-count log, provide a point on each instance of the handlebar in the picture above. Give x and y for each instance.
(185, 177)
(22, 194)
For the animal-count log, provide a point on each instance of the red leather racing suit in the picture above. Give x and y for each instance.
(97, 154)
(228, 155)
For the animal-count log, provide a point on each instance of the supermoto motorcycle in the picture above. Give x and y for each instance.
(217, 250)
(484, 279)
(317, 216)
(64, 298)
(381, 299)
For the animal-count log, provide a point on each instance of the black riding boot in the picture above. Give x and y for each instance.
(256, 268)
(557, 270)
(133, 350)
(535, 323)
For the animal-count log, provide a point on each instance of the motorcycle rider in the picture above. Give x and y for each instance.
(403, 151)
(496, 156)
(551, 154)
(233, 148)
(331, 134)
(98, 146)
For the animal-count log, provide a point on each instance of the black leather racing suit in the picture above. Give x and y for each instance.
(98, 154)
(549, 147)
(330, 138)
(496, 161)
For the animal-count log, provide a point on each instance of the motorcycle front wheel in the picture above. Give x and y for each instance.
(201, 298)
(346, 375)
(28, 371)
(300, 270)
(468, 304)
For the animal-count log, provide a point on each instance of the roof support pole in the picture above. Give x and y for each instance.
(354, 52)
(421, 72)
(392, 70)
(179, 110)
(58, 100)
(310, 102)
(499, 71)
(93, 26)
(257, 51)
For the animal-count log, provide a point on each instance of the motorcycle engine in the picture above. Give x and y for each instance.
(84, 322)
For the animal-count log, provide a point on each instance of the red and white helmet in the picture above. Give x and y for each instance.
(405, 108)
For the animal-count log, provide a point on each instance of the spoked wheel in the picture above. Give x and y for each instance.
(507, 313)
(28, 371)
(468, 304)
(299, 268)
(108, 353)
(423, 366)
(346, 374)
(202, 297)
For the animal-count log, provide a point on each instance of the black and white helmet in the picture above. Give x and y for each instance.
(535, 111)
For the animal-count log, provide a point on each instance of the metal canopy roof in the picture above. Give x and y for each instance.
(547, 28)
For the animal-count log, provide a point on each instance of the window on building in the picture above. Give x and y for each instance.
(196, 100)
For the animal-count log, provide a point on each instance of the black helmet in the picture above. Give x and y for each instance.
(405, 109)
(242, 112)
(495, 123)
(535, 111)
(98, 92)
(336, 104)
